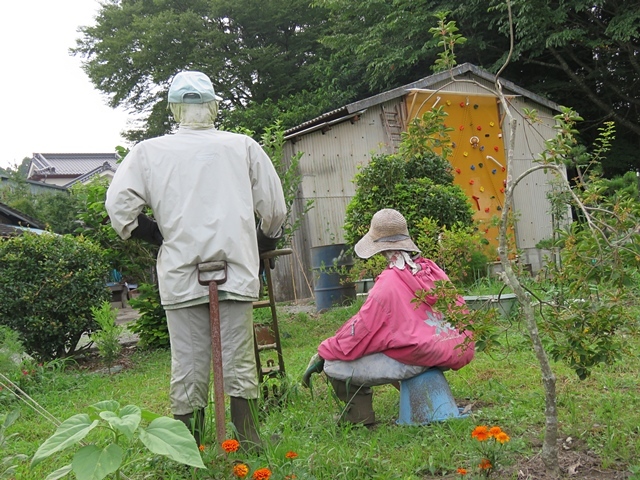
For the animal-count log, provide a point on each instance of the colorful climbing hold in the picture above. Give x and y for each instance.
(496, 148)
(479, 128)
(461, 127)
(481, 164)
(466, 154)
(448, 102)
(487, 210)
(491, 124)
(458, 170)
(482, 189)
(494, 171)
(462, 104)
(471, 182)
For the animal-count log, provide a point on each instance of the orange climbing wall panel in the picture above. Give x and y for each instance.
(478, 157)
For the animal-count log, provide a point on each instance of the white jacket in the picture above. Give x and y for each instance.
(204, 187)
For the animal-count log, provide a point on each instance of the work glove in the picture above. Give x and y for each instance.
(316, 364)
(267, 244)
(147, 230)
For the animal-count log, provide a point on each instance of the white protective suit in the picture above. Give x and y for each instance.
(204, 187)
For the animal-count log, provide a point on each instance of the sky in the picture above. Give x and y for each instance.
(48, 103)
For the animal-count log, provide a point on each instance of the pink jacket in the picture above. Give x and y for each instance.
(389, 323)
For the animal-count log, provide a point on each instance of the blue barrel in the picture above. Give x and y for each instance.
(330, 264)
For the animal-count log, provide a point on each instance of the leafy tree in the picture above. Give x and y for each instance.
(136, 47)
(583, 54)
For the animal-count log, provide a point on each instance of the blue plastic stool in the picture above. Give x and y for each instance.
(426, 398)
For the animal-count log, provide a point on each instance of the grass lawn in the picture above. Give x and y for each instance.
(599, 417)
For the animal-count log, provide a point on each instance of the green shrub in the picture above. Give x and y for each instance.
(460, 250)
(107, 338)
(47, 288)
(151, 325)
(418, 182)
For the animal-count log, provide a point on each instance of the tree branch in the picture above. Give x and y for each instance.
(591, 95)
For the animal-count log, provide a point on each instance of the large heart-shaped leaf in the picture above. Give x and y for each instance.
(110, 405)
(126, 421)
(71, 431)
(169, 437)
(95, 463)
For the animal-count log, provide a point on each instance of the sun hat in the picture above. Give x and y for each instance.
(192, 87)
(388, 231)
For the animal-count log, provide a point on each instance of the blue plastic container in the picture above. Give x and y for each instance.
(330, 287)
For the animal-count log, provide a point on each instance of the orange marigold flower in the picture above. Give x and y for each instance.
(262, 474)
(240, 470)
(502, 437)
(201, 448)
(494, 431)
(462, 471)
(480, 433)
(291, 455)
(485, 464)
(230, 445)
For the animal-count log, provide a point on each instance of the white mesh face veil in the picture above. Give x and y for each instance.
(195, 115)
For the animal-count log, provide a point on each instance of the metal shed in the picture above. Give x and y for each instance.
(336, 144)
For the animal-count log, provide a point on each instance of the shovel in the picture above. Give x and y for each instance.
(214, 274)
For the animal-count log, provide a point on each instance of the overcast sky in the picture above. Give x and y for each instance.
(48, 103)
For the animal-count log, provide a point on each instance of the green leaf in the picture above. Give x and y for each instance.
(59, 473)
(149, 416)
(126, 421)
(11, 418)
(95, 463)
(69, 432)
(169, 437)
(108, 405)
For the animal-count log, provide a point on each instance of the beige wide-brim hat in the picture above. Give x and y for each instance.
(388, 231)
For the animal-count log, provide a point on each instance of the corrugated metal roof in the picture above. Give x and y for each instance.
(19, 218)
(69, 164)
(426, 82)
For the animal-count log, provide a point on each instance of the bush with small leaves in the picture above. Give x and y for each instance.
(47, 288)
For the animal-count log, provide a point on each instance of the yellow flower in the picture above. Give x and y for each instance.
(502, 437)
(230, 446)
(291, 455)
(480, 433)
(240, 470)
(262, 474)
(494, 431)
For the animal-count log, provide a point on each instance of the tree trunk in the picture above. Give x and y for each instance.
(549, 446)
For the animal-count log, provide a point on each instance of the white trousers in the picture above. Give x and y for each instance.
(371, 370)
(190, 337)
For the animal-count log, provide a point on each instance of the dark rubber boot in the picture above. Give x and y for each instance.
(244, 414)
(194, 422)
(359, 402)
